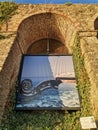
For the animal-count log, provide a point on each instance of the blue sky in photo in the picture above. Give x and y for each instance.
(53, 1)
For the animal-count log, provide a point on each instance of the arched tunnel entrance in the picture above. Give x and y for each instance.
(47, 46)
(36, 31)
(32, 37)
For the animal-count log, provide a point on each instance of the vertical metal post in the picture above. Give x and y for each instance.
(48, 46)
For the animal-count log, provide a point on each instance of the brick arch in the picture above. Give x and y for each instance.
(46, 25)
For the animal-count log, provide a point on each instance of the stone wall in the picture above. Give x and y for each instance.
(60, 22)
(11, 55)
(89, 48)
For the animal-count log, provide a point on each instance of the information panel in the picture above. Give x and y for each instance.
(47, 82)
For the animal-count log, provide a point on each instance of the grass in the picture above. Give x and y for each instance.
(52, 120)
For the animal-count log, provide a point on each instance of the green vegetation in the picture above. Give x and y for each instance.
(52, 120)
(83, 80)
(68, 3)
(6, 35)
(7, 9)
(2, 37)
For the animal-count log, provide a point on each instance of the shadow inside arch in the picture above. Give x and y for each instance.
(54, 47)
(96, 25)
